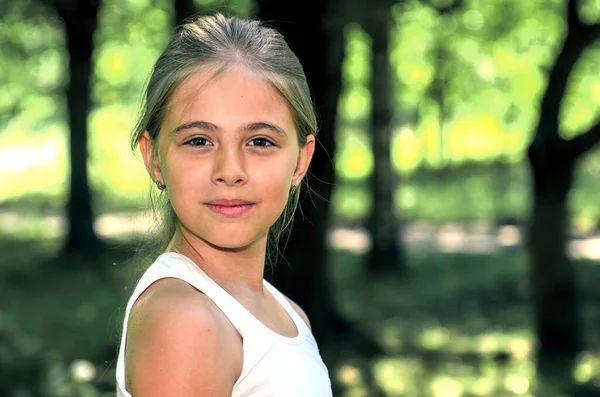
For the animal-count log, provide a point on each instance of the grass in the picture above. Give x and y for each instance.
(457, 325)
(51, 316)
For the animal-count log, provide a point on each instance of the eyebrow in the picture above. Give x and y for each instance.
(205, 125)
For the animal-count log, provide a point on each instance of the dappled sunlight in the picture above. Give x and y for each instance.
(465, 93)
(115, 63)
(446, 374)
(429, 131)
(351, 200)
(354, 160)
(21, 225)
(401, 375)
(16, 159)
(489, 342)
(356, 67)
(450, 238)
(449, 340)
(82, 371)
(596, 93)
(419, 74)
(588, 367)
(482, 386)
(509, 235)
(445, 386)
(354, 241)
(122, 226)
(405, 197)
(517, 384)
(588, 248)
(580, 105)
(355, 103)
(75, 379)
(486, 69)
(350, 375)
(434, 338)
(111, 154)
(398, 375)
(473, 19)
(453, 238)
(33, 164)
(515, 145)
(406, 150)
(432, 345)
(467, 140)
(520, 347)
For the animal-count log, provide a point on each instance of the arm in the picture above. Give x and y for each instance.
(176, 347)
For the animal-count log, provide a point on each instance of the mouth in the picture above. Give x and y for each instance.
(229, 202)
(230, 210)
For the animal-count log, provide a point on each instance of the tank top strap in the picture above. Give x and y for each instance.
(176, 265)
(283, 301)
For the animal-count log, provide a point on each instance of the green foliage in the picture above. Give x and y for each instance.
(129, 39)
(242, 8)
(355, 103)
(32, 66)
(467, 90)
(580, 110)
(589, 11)
(467, 86)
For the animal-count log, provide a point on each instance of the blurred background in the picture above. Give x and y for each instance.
(451, 246)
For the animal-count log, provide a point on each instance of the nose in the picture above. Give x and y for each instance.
(229, 167)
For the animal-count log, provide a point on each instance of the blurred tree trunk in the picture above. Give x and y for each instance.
(314, 32)
(80, 19)
(553, 160)
(386, 254)
(184, 9)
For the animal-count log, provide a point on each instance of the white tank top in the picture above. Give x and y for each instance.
(273, 365)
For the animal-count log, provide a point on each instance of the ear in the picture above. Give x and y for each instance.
(304, 159)
(147, 149)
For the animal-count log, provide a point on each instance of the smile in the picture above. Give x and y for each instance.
(230, 210)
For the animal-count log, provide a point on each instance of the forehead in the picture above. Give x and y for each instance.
(230, 99)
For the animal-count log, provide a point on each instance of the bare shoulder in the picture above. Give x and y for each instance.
(299, 311)
(178, 345)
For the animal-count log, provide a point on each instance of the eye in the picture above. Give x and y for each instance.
(262, 142)
(197, 141)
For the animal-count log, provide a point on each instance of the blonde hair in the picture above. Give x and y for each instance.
(219, 43)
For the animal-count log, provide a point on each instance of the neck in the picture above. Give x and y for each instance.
(238, 270)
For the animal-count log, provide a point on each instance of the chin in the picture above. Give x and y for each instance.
(231, 241)
(231, 244)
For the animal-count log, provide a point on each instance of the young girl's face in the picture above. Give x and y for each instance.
(231, 138)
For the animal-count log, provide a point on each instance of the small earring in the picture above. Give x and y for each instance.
(160, 185)
(293, 189)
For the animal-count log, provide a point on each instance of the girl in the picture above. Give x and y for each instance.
(227, 134)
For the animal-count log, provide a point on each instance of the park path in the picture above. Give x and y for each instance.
(474, 237)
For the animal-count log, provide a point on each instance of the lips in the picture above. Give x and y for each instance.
(229, 202)
(229, 208)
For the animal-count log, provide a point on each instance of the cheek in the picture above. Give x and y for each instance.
(274, 188)
(178, 168)
(275, 176)
(183, 182)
